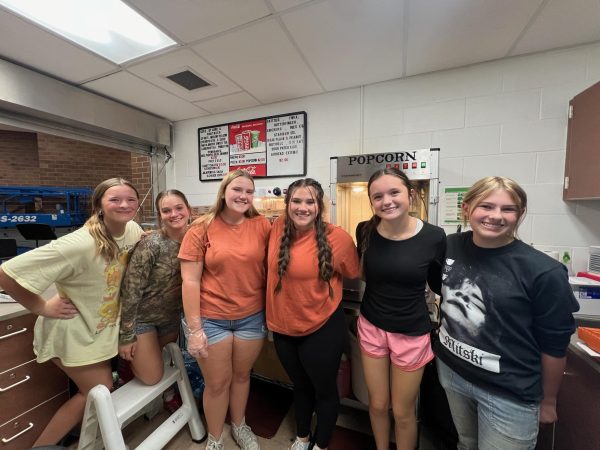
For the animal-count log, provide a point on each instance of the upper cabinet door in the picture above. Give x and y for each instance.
(582, 164)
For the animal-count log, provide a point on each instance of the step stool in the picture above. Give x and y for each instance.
(111, 412)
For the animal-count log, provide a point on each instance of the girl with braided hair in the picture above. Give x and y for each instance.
(307, 261)
(400, 254)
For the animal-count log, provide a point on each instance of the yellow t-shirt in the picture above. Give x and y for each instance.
(90, 282)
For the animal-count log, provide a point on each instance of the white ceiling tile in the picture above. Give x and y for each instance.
(231, 102)
(445, 34)
(191, 20)
(134, 91)
(562, 23)
(156, 70)
(262, 61)
(348, 42)
(282, 5)
(264, 51)
(29, 45)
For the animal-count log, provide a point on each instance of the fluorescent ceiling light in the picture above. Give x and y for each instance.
(107, 27)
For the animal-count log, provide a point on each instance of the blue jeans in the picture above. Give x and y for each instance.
(485, 420)
(247, 328)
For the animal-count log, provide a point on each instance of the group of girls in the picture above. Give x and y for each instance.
(506, 308)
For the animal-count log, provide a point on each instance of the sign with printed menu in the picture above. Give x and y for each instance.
(273, 146)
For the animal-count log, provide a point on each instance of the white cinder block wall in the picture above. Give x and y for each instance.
(500, 118)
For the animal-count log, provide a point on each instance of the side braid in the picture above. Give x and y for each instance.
(324, 252)
(284, 251)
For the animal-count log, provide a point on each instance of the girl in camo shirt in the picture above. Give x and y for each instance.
(151, 291)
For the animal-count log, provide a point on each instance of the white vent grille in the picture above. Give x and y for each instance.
(594, 264)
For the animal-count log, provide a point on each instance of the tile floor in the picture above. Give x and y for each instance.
(349, 418)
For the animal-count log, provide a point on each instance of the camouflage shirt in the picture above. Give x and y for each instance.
(151, 288)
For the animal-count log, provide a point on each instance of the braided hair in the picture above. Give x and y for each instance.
(324, 252)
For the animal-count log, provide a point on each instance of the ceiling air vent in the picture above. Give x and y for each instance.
(188, 80)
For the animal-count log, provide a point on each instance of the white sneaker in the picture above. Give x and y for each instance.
(213, 444)
(244, 437)
(299, 444)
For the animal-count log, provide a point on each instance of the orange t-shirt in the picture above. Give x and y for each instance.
(233, 275)
(303, 305)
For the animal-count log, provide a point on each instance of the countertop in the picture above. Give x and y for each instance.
(11, 310)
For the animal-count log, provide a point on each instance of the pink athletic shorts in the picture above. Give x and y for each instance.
(406, 352)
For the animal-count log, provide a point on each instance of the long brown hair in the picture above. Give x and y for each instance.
(159, 197)
(324, 252)
(105, 244)
(371, 225)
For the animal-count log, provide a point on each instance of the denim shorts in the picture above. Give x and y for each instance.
(161, 330)
(485, 419)
(247, 328)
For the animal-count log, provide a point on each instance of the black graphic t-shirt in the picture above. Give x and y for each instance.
(501, 309)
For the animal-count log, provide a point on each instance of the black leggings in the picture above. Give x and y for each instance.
(312, 363)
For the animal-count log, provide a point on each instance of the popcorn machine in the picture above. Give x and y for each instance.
(349, 176)
(269, 201)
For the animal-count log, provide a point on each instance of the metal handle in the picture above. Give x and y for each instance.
(29, 427)
(14, 333)
(27, 377)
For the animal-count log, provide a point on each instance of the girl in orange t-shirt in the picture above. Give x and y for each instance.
(308, 259)
(223, 271)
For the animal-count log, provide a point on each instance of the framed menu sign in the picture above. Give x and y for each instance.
(273, 146)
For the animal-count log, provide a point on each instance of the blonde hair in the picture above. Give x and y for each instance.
(167, 193)
(481, 189)
(219, 205)
(105, 244)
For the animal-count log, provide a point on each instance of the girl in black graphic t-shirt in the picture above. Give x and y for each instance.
(506, 323)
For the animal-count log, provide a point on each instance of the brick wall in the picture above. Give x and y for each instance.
(65, 162)
(18, 153)
(141, 179)
(46, 160)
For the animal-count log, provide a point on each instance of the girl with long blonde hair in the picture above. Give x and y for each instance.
(78, 328)
(223, 271)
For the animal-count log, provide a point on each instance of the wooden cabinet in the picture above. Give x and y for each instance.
(578, 406)
(30, 393)
(582, 163)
